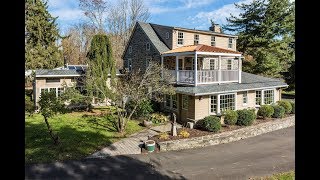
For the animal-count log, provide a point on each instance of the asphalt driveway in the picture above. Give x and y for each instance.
(253, 157)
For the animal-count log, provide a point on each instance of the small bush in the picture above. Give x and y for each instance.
(212, 123)
(246, 117)
(29, 105)
(278, 111)
(266, 111)
(164, 136)
(184, 134)
(158, 118)
(143, 110)
(293, 107)
(287, 106)
(230, 117)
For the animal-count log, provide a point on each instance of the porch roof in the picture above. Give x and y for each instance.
(249, 82)
(201, 48)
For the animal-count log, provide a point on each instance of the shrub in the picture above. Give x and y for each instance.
(29, 106)
(143, 110)
(164, 135)
(266, 111)
(278, 111)
(212, 123)
(184, 134)
(246, 117)
(158, 118)
(230, 117)
(287, 106)
(293, 107)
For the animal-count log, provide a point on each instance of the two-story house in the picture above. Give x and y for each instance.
(206, 67)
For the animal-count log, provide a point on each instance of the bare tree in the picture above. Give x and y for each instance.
(138, 87)
(95, 10)
(120, 22)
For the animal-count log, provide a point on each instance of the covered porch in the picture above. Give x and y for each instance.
(202, 64)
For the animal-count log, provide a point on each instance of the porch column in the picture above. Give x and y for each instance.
(177, 69)
(219, 69)
(218, 104)
(262, 97)
(195, 69)
(161, 66)
(239, 68)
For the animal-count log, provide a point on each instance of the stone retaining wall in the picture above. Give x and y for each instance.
(228, 136)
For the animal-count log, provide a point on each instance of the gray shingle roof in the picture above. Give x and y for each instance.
(159, 45)
(249, 81)
(54, 72)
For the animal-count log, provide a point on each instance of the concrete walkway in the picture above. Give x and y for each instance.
(132, 144)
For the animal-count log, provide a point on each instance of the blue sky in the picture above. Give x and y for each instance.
(181, 13)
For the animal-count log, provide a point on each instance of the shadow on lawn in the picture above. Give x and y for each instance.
(74, 142)
(116, 167)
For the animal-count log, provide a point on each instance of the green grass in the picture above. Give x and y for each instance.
(79, 135)
(280, 176)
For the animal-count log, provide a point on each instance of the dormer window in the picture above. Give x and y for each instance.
(130, 49)
(230, 45)
(167, 35)
(196, 39)
(213, 41)
(180, 38)
(147, 46)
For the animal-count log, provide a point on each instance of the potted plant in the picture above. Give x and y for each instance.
(150, 145)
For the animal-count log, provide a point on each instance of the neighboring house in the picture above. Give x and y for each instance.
(206, 67)
(54, 79)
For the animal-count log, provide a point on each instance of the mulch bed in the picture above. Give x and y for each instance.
(198, 132)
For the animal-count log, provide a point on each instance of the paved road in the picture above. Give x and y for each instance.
(253, 157)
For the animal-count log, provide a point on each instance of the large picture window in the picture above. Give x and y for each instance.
(213, 104)
(227, 102)
(268, 96)
(258, 97)
(180, 38)
(185, 102)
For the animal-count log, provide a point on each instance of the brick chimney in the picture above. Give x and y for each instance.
(215, 28)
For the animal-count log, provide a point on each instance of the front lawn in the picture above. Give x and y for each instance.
(81, 134)
(280, 176)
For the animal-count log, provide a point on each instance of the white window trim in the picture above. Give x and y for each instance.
(262, 96)
(49, 90)
(184, 95)
(213, 41)
(245, 104)
(178, 39)
(214, 61)
(231, 63)
(212, 113)
(230, 43)
(194, 39)
(235, 100)
(218, 102)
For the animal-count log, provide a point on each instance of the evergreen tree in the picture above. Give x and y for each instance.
(101, 64)
(41, 36)
(266, 32)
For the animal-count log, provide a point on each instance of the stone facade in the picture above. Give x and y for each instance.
(162, 31)
(228, 136)
(139, 53)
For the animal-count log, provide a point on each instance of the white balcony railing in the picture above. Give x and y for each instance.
(206, 76)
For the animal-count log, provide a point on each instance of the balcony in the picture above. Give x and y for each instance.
(202, 64)
(205, 76)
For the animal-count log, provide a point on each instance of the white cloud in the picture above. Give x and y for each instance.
(68, 14)
(202, 19)
(195, 3)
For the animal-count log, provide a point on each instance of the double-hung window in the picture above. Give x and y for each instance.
(180, 38)
(227, 102)
(213, 41)
(148, 46)
(167, 35)
(185, 102)
(171, 101)
(258, 97)
(229, 64)
(245, 98)
(196, 39)
(268, 96)
(230, 44)
(212, 64)
(213, 104)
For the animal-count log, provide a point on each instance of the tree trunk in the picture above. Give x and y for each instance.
(54, 137)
